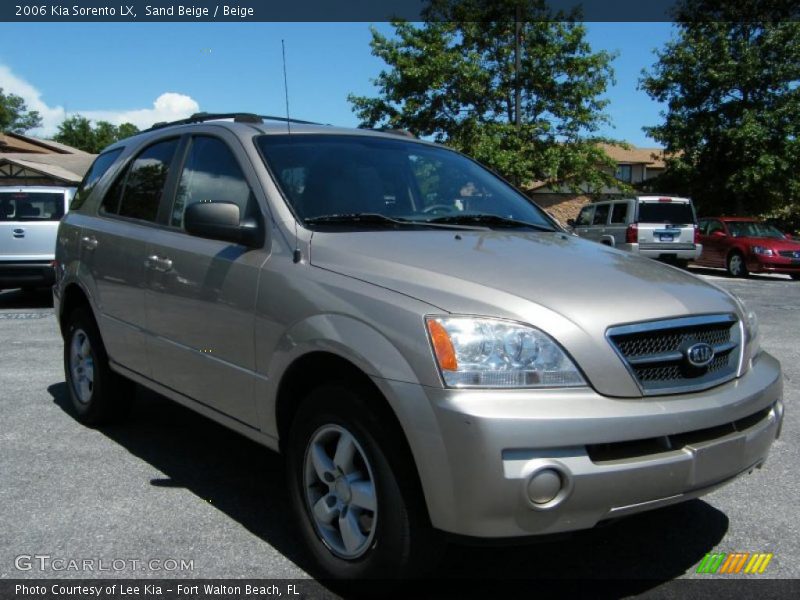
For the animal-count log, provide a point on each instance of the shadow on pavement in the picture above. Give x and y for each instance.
(711, 272)
(246, 482)
(39, 298)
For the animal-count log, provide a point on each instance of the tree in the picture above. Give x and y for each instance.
(730, 82)
(15, 116)
(501, 82)
(77, 131)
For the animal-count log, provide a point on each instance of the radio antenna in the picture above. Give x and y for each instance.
(286, 88)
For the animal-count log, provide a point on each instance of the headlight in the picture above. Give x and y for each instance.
(761, 250)
(491, 353)
(752, 338)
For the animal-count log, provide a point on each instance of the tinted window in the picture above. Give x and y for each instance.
(601, 214)
(676, 213)
(323, 175)
(211, 173)
(585, 217)
(137, 192)
(714, 226)
(753, 229)
(96, 171)
(619, 212)
(31, 206)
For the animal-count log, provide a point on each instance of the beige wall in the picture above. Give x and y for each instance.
(561, 206)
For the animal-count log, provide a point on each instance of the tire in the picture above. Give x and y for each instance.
(355, 534)
(99, 396)
(736, 265)
(682, 263)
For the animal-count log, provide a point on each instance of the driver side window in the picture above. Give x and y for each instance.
(211, 173)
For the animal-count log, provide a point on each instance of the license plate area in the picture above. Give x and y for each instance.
(665, 237)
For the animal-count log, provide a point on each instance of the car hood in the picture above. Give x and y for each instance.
(571, 288)
(774, 243)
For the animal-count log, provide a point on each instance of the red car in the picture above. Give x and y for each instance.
(743, 245)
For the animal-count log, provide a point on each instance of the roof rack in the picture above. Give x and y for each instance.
(237, 118)
(393, 131)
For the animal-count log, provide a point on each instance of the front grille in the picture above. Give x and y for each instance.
(790, 253)
(656, 352)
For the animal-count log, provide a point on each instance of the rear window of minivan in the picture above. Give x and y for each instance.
(31, 206)
(676, 213)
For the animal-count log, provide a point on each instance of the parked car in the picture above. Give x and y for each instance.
(743, 245)
(661, 227)
(430, 352)
(29, 217)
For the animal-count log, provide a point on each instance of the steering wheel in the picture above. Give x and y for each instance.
(437, 209)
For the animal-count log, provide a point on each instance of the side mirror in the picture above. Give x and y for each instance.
(571, 222)
(221, 221)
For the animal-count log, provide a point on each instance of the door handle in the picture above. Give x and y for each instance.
(158, 263)
(19, 232)
(88, 242)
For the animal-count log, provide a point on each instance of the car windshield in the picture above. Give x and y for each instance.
(753, 229)
(331, 180)
(31, 206)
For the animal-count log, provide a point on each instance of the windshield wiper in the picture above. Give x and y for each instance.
(379, 219)
(489, 220)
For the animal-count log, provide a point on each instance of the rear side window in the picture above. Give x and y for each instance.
(211, 173)
(619, 212)
(601, 214)
(136, 194)
(675, 213)
(31, 206)
(99, 167)
(585, 216)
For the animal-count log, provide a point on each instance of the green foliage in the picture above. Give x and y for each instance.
(455, 79)
(78, 132)
(15, 116)
(730, 82)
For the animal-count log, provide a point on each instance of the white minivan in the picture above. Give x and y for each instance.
(29, 217)
(661, 227)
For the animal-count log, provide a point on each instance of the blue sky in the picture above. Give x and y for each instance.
(155, 71)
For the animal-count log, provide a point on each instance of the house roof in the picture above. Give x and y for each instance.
(65, 167)
(19, 143)
(652, 157)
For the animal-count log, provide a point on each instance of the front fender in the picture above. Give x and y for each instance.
(344, 336)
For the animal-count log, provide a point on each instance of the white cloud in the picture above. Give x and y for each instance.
(169, 106)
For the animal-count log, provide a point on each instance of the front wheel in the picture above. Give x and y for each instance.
(736, 265)
(98, 394)
(353, 491)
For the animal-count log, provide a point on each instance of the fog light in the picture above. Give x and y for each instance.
(544, 486)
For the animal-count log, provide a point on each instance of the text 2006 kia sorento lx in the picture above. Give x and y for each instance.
(427, 348)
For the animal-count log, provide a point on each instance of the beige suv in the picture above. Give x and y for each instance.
(433, 355)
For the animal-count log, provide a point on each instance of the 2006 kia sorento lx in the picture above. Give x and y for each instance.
(427, 348)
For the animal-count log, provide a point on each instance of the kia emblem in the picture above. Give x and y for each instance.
(700, 355)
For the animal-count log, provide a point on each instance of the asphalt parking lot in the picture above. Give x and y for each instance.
(171, 485)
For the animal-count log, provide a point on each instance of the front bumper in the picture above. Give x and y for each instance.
(773, 264)
(616, 456)
(27, 274)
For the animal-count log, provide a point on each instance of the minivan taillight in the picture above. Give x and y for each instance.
(696, 234)
(632, 234)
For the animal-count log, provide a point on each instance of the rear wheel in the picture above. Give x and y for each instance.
(736, 265)
(353, 491)
(98, 394)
